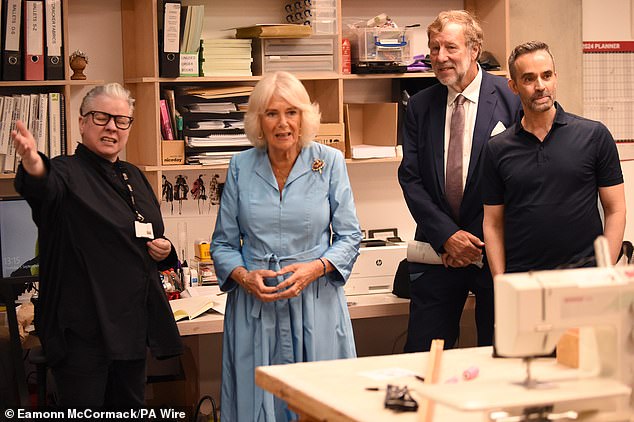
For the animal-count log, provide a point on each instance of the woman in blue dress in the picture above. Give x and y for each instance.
(285, 241)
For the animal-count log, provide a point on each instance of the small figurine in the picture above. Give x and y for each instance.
(168, 193)
(180, 192)
(198, 192)
(214, 193)
(78, 62)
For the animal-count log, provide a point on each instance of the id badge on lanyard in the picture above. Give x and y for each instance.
(142, 230)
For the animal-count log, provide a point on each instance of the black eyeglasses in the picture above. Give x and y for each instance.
(101, 119)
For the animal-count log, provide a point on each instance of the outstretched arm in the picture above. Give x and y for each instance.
(26, 148)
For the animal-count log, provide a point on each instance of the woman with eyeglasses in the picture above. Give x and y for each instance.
(101, 247)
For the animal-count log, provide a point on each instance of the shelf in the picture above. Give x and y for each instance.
(13, 84)
(302, 76)
(186, 167)
(330, 89)
(207, 79)
(415, 75)
(355, 161)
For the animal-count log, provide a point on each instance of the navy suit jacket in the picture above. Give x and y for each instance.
(422, 174)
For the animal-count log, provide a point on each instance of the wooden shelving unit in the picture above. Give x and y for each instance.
(329, 89)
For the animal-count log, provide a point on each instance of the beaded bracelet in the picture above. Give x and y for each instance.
(324, 265)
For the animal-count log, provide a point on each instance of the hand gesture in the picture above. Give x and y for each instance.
(26, 148)
(159, 249)
(462, 249)
(253, 283)
(303, 274)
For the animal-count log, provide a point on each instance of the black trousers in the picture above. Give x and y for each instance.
(438, 295)
(87, 378)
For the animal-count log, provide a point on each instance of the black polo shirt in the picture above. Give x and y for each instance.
(549, 190)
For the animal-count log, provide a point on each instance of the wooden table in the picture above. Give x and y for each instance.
(336, 390)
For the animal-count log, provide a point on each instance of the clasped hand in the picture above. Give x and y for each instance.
(302, 275)
(462, 249)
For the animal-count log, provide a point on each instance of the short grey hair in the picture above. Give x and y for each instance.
(290, 89)
(526, 48)
(470, 26)
(112, 90)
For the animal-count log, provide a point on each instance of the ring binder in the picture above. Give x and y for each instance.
(12, 51)
(169, 38)
(33, 40)
(54, 63)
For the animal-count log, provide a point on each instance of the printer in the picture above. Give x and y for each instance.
(375, 268)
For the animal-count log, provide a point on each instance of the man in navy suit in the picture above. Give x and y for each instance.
(452, 227)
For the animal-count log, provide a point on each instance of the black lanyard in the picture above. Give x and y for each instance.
(126, 182)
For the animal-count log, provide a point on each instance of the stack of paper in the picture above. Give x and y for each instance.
(226, 57)
(274, 31)
(223, 107)
(211, 158)
(212, 92)
(372, 151)
(218, 140)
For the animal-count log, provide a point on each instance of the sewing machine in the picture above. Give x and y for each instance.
(532, 311)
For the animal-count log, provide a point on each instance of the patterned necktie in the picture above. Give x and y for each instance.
(453, 176)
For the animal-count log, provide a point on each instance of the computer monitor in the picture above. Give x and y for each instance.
(18, 239)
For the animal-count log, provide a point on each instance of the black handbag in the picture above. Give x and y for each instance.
(400, 287)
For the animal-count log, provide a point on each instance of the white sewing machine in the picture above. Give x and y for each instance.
(532, 311)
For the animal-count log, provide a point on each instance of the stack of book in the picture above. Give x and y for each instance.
(226, 57)
(213, 122)
(43, 115)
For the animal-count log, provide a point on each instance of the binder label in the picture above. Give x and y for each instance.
(12, 40)
(53, 29)
(171, 32)
(34, 41)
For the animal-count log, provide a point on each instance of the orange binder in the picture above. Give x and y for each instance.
(34, 40)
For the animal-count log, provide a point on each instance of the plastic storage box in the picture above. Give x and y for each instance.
(380, 45)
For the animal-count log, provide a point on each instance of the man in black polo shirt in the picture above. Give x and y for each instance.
(542, 175)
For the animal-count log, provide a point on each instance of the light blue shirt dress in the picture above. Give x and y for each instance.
(257, 230)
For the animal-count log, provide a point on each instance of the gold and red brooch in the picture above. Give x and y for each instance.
(318, 165)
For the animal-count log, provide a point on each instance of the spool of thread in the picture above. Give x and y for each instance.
(470, 373)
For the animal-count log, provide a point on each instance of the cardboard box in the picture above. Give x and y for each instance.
(371, 130)
(331, 134)
(172, 153)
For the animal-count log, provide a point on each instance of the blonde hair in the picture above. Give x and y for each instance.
(291, 90)
(470, 25)
(112, 90)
